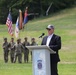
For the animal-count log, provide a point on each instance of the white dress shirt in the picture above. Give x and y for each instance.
(49, 39)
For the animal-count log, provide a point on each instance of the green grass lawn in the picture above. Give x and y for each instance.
(15, 69)
(65, 26)
(26, 69)
(67, 69)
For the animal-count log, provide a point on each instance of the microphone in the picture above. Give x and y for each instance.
(41, 35)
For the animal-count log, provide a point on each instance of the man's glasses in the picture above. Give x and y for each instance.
(48, 29)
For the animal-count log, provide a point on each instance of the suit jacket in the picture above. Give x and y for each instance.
(55, 44)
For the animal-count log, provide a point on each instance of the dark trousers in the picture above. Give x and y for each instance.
(12, 57)
(19, 55)
(54, 70)
(6, 56)
(26, 58)
(26, 55)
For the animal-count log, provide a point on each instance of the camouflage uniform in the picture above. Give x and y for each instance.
(18, 51)
(33, 42)
(6, 50)
(12, 50)
(26, 51)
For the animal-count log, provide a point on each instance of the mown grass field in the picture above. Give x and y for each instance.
(65, 26)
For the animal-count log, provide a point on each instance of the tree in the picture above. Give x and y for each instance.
(35, 6)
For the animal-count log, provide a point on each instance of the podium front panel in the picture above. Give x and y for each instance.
(41, 62)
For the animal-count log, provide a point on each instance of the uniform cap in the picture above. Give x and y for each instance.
(33, 39)
(5, 38)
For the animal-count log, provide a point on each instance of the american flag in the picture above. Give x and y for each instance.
(9, 24)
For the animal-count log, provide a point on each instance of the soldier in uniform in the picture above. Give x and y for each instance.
(26, 51)
(33, 42)
(18, 51)
(6, 50)
(12, 50)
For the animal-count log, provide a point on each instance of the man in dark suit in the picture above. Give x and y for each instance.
(54, 42)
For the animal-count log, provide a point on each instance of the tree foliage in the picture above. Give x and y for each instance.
(35, 6)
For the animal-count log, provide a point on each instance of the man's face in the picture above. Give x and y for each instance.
(17, 41)
(12, 40)
(50, 31)
(5, 40)
(33, 40)
(25, 39)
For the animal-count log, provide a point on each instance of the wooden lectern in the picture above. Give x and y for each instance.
(41, 59)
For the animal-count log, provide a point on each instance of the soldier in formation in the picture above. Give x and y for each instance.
(12, 50)
(6, 50)
(18, 51)
(33, 42)
(26, 51)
